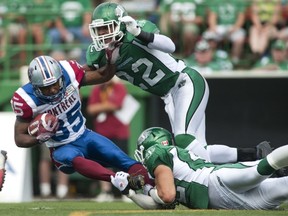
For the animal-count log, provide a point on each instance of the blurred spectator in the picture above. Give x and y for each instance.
(72, 26)
(277, 60)
(181, 20)
(226, 20)
(104, 101)
(3, 36)
(265, 15)
(205, 61)
(46, 168)
(38, 15)
(283, 33)
(212, 39)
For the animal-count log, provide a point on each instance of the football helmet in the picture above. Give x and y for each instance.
(44, 71)
(149, 137)
(105, 26)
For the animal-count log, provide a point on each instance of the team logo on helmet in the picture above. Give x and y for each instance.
(119, 11)
(165, 142)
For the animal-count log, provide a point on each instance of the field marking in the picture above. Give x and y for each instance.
(87, 213)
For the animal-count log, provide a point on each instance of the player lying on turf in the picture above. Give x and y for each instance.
(3, 158)
(182, 177)
(54, 89)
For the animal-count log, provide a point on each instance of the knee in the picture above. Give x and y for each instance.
(183, 140)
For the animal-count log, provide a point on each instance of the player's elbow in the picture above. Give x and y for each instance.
(167, 196)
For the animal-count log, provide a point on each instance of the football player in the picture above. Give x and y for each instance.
(54, 88)
(182, 177)
(146, 61)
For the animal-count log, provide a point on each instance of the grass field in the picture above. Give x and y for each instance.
(90, 208)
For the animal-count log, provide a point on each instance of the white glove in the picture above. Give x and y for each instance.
(131, 25)
(112, 52)
(147, 188)
(121, 182)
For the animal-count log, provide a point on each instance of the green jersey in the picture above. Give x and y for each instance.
(183, 9)
(150, 69)
(227, 11)
(72, 11)
(265, 61)
(216, 64)
(190, 173)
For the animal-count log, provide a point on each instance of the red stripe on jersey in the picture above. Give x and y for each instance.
(78, 70)
(21, 108)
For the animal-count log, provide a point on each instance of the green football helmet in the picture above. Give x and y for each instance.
(149, 137)
(105, 26)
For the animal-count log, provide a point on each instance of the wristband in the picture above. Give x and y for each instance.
(146, 36)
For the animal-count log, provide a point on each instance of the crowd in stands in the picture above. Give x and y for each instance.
(240, 31)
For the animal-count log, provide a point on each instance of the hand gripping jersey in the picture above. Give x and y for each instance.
(72, 123)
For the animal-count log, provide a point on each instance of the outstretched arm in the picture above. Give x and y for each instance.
(106, 72)
(155, 41)
(98, 76)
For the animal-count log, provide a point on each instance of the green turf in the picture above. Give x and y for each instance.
(90, 208)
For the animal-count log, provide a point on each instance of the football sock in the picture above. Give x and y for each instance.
(246, 154)
(264, 168)
(91, 169)
(278, 158)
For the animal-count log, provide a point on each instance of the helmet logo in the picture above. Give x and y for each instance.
(119, 11)
(165, 143)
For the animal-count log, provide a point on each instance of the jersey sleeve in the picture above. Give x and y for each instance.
(78, 70)
(148, 26)
(21, 108)
(155, 156)
(95, 59)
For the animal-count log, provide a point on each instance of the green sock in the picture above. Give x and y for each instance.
(264, 168)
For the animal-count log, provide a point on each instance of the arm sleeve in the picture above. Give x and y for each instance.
(143, 201)
(150, 34)
(162, 43)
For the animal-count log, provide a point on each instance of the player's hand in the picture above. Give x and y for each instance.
(136, 182)
(121, 181)
(43, 137)
(112, 52)
(131, 25)
(49, 126)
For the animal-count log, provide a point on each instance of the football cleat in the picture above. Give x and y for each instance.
(3, 158)
(263, 149)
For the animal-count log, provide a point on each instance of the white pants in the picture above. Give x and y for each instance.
(245, 188)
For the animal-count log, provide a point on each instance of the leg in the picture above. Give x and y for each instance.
(269, 194)
(45, 177)
(62, 184)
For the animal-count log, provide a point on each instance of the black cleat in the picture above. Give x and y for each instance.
(263, 149)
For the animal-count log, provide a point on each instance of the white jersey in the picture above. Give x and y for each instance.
(26, 105)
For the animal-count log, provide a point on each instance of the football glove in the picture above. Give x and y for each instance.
(131, 25)
(136, 182)
(121, 182)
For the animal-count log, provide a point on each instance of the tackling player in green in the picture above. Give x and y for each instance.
(146, 61)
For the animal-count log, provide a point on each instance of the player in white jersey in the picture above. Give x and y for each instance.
(182, 177)
(54, 88)
(146, 61)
